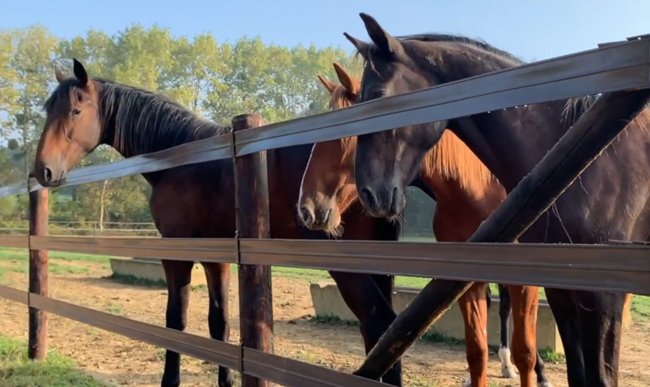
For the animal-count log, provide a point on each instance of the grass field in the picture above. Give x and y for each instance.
(16, 260)
(16, 370)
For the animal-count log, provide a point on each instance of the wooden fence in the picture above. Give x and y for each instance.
(612, 67)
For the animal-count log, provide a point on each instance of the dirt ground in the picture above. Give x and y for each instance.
(120, 361)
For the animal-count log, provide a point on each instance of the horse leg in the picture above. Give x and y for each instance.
(542, 380)
(362, 295)
(565, 313)
(218, 277)
(600, 316)
(507, 368)
(178, 275)
(473, 306)
(385, 283)
(525, 301)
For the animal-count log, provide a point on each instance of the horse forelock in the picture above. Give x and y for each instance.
(340, 98)
(59, 101)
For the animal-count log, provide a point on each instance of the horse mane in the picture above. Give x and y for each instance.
(575, 107)
(144, 122)
(137, 121)
(451, 158)
(478, 43)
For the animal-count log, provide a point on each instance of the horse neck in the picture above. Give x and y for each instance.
(509, 142)
(137, 122)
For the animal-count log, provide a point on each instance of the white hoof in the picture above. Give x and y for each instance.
(544, 384)
(468, 382)
(508, 372)
(507, 368)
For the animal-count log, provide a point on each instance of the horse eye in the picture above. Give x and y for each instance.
(74, 112)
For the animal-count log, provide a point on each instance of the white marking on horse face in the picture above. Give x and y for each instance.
(401, 149)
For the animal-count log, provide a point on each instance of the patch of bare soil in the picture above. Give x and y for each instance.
(122, 361)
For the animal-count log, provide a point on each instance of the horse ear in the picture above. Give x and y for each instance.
(361, 46)
(80, 72)
(385, 41)
(344, 78)
(329, 85)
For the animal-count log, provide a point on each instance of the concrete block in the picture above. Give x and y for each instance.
(328, 302)
(151, 269)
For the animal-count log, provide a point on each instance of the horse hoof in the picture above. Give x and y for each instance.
(545, 383)
(508, 373)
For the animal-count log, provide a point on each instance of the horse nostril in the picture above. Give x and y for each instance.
(306, 215)
(47, 175)
(369, 197)
(324, 216)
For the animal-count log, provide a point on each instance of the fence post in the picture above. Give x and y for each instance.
(38, 273)
(252, 207)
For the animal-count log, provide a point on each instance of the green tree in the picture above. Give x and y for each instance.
(30, 80)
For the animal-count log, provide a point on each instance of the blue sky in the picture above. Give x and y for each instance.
(531, 29)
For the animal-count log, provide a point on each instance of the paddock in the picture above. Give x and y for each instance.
(336, 345)
(612, 67)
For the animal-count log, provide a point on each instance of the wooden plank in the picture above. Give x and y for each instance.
(573, 153)
(14, 241)
(607, 69)
(252, 207)
(39, 208)
(13, 189)
(199, 347)
(586, 267)
(12, 294)
(209, 149)
(188, 249)
(289, 372)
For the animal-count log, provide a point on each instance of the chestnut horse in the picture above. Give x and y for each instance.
(196, 201)
(466, 193)
(608, 201)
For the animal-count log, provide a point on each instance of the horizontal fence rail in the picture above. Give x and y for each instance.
(197, 346)
(619, 268)
(180, 249)
(597, 267)
(610, 68)
(16, 241)
(270, 367)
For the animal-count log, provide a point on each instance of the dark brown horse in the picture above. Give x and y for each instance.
(196, 200)
(466, 193)
(609, 201)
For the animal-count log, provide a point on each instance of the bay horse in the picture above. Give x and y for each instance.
(197, 201)
(466, 192)
(609, 201)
